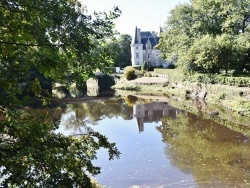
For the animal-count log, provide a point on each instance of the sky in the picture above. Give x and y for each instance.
(147, 15)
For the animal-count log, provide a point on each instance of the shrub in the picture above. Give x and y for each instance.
(160, 66)
(130, 73)
(144, 66)
(243, 105)
(165, 84)
(148, 74)
(171, 66)
(151, 68)
(137, 67)
(141, 73)
(222, 96)
(177, 76)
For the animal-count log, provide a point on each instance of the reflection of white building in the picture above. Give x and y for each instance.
(152, 112)
(139, 113)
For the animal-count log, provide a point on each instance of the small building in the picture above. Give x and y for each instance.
(142, 49)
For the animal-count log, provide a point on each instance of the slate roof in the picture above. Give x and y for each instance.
(145, 36)
(135, 37)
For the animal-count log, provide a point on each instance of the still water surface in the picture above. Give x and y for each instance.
(161, 146)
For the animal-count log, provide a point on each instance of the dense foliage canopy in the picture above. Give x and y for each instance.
(209, 35)
(122, 50)
(54, 38)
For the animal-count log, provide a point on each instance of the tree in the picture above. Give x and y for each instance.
(206, 33)
(238, 16)
(124, 42)
(204, 54)
(178, 33)
(241, 49)
(122, 50)
(210, 54)
(57, 38)
(208, 17)
(144, 66)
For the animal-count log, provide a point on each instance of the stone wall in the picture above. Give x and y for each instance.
(60, 91)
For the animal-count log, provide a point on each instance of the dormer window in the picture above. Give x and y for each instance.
(148, 45)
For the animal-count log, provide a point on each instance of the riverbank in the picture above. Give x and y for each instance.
(235, 99)
(212, 106)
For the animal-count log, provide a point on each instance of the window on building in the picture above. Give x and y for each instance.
(136, 47)
(137, 55)
(148, 56)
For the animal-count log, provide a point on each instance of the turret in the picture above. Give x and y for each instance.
(139, 36)
(135, 41)
(137, 49)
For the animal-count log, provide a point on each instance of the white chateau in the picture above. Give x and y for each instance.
(142, 49)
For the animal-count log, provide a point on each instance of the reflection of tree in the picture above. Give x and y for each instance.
(130, 100)
(92, 112)
(73, 122)
(32, 155)
(211, 152)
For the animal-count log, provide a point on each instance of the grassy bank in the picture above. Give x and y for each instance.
(228, 96)
(223, 116)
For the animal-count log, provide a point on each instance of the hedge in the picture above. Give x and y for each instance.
(177, 76)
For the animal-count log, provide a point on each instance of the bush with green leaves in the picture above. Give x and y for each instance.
(172, 66)
(177, 76)
(130, 73)
(148, 74)
(144, 66)
(141, 73)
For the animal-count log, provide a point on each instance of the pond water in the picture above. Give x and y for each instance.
(161, 146)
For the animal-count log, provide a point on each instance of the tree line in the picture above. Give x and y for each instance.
(209, 36)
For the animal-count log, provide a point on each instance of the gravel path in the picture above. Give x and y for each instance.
(148, 80)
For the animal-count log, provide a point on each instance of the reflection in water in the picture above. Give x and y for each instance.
(152, 112)
(174, 149)
(92, 112)
(32, 154)
(214, 154)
